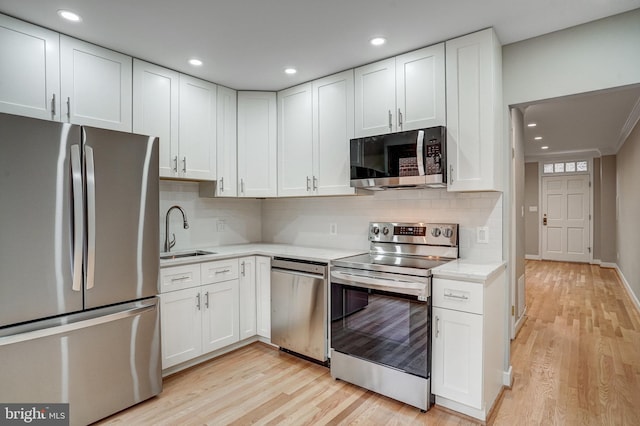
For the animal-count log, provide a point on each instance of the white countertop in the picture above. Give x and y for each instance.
(469, 270)
(315, 254)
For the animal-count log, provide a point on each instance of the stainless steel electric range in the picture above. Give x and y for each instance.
(381, 309)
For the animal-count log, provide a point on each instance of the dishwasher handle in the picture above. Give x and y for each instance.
(297, 273)
(297, 265)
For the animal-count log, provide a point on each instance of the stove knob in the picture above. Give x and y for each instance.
(385, 230)
(375, 230)
(447, 232)
(436, 232)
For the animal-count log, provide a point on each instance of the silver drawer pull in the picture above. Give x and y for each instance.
(224, 271)
(455, 296)
(186, 277)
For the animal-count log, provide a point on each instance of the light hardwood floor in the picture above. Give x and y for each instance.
(576, 361)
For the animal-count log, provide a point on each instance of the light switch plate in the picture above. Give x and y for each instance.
(333, 229)
(482, 234)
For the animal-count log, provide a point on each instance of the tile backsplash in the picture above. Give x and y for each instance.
(333, 222)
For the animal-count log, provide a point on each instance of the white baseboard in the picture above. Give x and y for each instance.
(507, 377)
(519, 323)
(608, 265)
(627, 287)
(595, 262)
(532, 256)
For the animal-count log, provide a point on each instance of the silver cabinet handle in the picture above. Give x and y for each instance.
(198, 301)
(221, 184)
(242, 270)
(53, 106)
(186, 277)
(242, 186)
(91, 215)
(455, 296)
(315, 183)
(206, 300)
(175, 164)
(308, 184)
(437, 326)
(224, 271)
(390, 121)
(68, 109)
(78, 217)
(399, 119)
(184, 164)
(451, 174)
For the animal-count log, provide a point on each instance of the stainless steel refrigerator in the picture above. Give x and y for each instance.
(79, 263)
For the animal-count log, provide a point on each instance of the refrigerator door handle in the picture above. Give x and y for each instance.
(91, 215)
(66, 328)
(78, 216)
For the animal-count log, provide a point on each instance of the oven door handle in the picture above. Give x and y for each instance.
(404, 287)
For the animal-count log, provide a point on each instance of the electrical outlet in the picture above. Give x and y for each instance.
(482, 234)
(221, 226)
(333, 229)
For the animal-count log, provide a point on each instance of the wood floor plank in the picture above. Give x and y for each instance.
(576, 361)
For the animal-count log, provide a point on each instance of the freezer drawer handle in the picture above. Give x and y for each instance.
(67, 328)
(91, 216)
(78, 217)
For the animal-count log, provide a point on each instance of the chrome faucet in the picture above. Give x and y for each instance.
(170, 243)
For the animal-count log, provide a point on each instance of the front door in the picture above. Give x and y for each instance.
(565, 218)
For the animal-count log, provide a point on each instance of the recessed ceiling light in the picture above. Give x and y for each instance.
(531, 125)
(378, 41)
(290, 71)
(544, 147)
(195, 62)
(538, 138)
(69, 16)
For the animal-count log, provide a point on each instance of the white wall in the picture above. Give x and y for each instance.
(242, 217)
(306, 221)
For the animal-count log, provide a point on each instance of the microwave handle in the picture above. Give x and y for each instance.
(420, 152)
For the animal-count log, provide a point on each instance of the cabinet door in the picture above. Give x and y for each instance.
(332, 130)
(95, 85)
(155, 110)
(263, 296)
(474, 112)
(29, 70)
(181, 324)
(375, 98)
(456, 371)
(295, 163)
(197, 130)
(420, 89)
(220, 321)
(257, 143)
(226, 158)
(247, 297)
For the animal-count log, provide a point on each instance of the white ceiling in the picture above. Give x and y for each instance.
(246, 44)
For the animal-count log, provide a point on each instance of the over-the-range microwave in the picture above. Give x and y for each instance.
(411, 159)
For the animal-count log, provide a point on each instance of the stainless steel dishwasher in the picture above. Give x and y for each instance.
(299, 307)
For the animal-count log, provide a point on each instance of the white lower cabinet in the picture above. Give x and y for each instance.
(208, 306)
(468, 335)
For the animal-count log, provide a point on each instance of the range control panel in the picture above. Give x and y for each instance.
(436, 234)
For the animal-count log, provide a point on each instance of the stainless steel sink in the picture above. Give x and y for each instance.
(181, 254)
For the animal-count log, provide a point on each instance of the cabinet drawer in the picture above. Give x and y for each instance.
(459, 295)
(219, 270)
(179, 277)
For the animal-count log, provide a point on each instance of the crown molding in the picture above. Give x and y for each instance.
(629, 125)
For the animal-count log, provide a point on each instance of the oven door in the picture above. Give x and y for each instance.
(375, 318)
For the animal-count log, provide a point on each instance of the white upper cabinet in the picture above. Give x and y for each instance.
(95, 85)
(402, 93)
(155, 110)
(375, 98)
(29, 70)
(332, 130)
(226, 158)
(420, 89)
(197, 129)
(295, 151)
(257, 144)
(474, 112)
